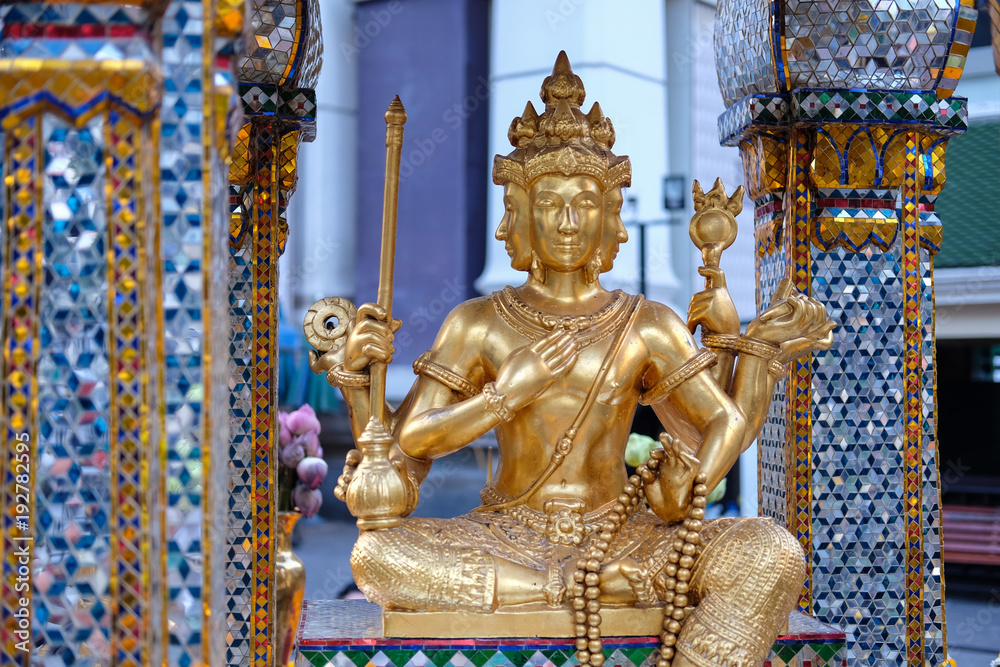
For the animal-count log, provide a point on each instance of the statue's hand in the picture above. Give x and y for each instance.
(350, 466)
(321, 363)
(669, 490)
(410, 470)
(530, 370)
(713, 307)
(796, 323)
(370, 339)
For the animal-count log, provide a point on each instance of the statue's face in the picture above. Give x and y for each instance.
(614, 228)
(567, 212)
(516, 212)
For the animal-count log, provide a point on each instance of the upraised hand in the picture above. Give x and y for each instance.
(713, 307)
(371, 339)
(530, 370)
(796, 323)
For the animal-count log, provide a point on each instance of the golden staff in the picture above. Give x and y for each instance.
(395, 118)
(377, 495)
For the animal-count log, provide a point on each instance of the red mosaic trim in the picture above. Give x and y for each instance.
(768, 208)
(839, 202)
(799, 422)
(913, 415)
(83, 31)
(264, 166)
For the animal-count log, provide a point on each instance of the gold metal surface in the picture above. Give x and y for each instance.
(530, 620)
(395, 118)
(557, 367)
(289, 588)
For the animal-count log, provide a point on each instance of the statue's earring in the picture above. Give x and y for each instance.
(593, 269)
(537, 268)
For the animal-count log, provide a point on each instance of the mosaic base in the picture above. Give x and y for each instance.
(348, 633)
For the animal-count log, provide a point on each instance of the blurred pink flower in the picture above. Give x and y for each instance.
(291, 454)
(312, 471)
(284, 434)
(310, 441)
(303, 420)
(307, 500)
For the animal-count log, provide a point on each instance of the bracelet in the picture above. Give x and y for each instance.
(497, 402)
(338, 376)
(757, 348)
(720, 341)
(777, 368)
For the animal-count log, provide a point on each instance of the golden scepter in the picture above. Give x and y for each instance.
(377, 495)
(395, 118)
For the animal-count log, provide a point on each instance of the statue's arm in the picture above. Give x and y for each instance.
(437, 419)
(432, 425)
(715, 419)
(792, 326)
(752, 390)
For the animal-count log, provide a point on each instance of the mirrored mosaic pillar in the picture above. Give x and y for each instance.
(276, 79)
(113, 120)
(842, 138)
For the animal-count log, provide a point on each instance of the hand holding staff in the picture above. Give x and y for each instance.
(377, 494)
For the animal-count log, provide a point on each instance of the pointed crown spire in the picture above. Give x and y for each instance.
(562, 139)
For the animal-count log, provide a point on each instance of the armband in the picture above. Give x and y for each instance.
(424, 366)
(690, 368)
(757, 348)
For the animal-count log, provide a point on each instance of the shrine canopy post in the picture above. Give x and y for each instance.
(116, 121)
(843, 139)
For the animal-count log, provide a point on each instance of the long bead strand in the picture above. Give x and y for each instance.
(586, 579)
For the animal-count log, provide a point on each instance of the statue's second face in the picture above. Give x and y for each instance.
(515, 204)
(567, 214)
(614, 228)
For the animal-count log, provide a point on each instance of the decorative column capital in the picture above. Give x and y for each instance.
(78, 88)
(766, 47)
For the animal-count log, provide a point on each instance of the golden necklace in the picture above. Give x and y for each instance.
(535, 324)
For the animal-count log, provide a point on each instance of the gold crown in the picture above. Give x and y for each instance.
(562, 140)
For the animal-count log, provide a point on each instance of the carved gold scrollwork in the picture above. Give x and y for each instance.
(317, 324)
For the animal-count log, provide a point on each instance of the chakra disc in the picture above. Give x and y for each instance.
(318, 324)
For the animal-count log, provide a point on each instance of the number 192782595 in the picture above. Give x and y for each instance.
(21, 467)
